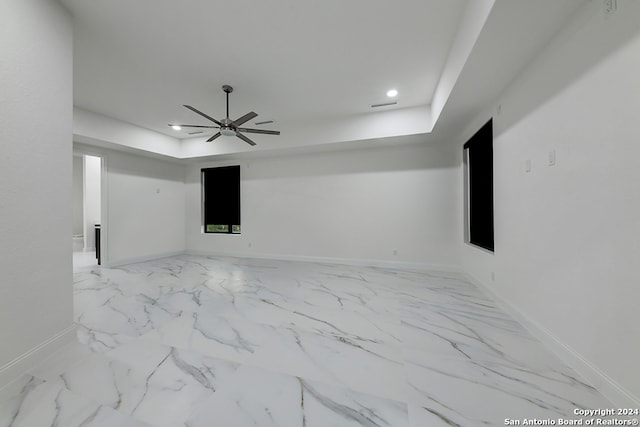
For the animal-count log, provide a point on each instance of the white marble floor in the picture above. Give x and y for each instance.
(196, 341)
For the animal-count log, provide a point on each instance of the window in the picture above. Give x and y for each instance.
(221, 199)
(479, 181)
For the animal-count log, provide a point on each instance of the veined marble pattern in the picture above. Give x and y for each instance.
(203, 341)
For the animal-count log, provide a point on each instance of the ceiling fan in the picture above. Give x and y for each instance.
(227, 126)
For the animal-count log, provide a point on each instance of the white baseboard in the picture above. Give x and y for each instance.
(339, 261)
(617, 394)
(145, 258)
(18, 366)
(280, 257)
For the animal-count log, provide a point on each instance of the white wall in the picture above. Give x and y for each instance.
(92, 128)
(35, 175)
(567, 235)
(92, 199)
(78, 195)
(146, 207)
(357, 204)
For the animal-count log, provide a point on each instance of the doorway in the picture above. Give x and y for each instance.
(87, 211)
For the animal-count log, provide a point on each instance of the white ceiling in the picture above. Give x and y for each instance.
(294, 61)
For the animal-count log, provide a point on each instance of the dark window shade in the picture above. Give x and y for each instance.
(221, 196)
(480, 164)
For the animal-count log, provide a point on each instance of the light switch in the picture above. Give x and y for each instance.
(610, 6)
(552, 157)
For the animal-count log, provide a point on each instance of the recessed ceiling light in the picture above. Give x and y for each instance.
(176, 127)
(392, 93)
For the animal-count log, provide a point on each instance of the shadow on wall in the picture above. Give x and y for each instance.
(588, 49)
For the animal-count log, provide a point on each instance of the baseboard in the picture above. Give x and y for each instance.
(338, 261)
(135, 260)
(18, 366)
(617, 394)
(281, 257)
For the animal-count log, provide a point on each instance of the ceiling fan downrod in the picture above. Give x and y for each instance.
(227, 89)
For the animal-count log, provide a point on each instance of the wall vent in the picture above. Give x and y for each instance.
(386, 104)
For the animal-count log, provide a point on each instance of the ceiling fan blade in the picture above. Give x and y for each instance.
(264, 131)
(245, 139)
(194, 126)
(245, 118)
(217, 135)
(203, 114)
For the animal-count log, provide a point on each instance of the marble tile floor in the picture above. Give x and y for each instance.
(195, 341)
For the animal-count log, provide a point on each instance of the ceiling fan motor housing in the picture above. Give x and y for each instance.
(227, 128)
(227, 131)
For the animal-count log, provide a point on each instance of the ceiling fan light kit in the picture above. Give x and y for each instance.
(226, 126)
